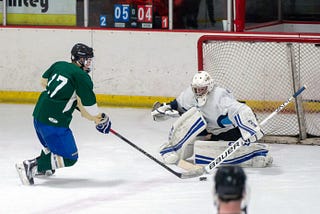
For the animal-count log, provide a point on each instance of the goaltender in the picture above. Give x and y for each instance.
(209, 118)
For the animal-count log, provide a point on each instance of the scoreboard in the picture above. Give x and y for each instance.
(135, 16)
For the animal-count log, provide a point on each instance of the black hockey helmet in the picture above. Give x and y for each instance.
(80, 50)
(230, 183)
(82, 54)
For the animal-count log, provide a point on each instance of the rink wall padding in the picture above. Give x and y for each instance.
(23, 97)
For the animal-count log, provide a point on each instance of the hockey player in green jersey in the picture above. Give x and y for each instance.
(67, 87)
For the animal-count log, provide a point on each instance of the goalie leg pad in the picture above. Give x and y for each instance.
(183, 132)
(256, 155)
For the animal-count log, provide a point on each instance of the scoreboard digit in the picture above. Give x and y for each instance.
(145, 15)
(103, 20)
(164, 21)
(121, 15)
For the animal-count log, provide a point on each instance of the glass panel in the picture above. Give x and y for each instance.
(125, 13)
(96, 8)
(187, 14)
(258, 11)
(194, 14)
(301, 10)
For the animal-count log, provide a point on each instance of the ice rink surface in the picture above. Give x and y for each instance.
(113, 177)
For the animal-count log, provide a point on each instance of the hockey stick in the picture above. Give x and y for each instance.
(188, 174)
(183, 175)
(232, 148)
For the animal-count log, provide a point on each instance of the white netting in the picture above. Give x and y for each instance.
(260, 73)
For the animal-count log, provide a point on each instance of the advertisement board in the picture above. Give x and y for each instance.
(40, 12)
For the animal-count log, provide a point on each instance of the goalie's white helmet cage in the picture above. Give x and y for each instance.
(202, 84)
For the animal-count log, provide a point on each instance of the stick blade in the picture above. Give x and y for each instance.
(192, 173)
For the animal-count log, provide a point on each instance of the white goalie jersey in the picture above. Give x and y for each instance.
(219, 111)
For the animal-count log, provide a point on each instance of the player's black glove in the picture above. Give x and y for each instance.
(104, 125)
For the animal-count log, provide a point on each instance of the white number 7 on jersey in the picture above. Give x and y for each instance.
(63, 82)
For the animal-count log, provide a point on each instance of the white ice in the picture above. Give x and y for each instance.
(113, 177)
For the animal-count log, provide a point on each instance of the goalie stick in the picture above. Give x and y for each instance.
(233, 147)
(188, 174)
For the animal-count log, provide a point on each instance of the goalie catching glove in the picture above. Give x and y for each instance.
(104, 125)
(161, 112)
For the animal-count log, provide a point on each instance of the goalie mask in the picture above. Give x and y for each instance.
(202, 84)
(82, 55)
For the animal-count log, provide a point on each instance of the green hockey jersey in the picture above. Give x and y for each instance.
(56, 104)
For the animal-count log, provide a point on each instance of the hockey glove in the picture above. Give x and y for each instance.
(161, 112)
(104, 125)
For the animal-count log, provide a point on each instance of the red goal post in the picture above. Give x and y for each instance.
(264, 70)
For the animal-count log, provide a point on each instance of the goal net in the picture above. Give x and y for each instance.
(264, 70)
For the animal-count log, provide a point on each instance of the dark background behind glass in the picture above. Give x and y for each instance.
(203, 14)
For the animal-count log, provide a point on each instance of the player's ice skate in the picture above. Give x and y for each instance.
(26, 171)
